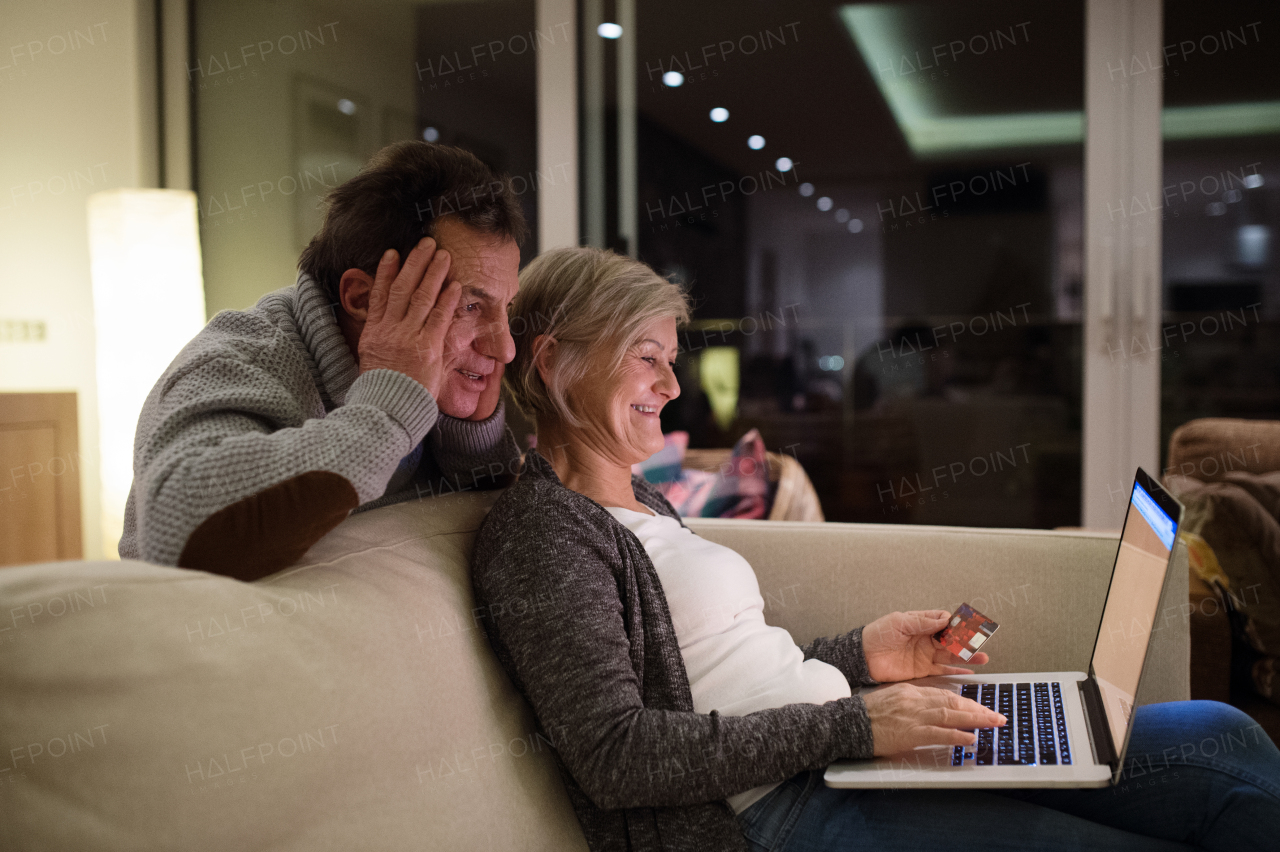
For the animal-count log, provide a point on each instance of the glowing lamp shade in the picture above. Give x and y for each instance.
(720, 378)
(148, 302)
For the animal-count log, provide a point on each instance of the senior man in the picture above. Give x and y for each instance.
(365, 383)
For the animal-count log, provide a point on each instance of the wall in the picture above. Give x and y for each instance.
(252, 60)
(71, 78)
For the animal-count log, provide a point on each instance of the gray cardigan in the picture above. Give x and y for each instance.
(577, 617)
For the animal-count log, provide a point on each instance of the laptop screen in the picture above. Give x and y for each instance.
(1132, 604)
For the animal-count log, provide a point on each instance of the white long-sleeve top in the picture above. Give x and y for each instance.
(736, 663)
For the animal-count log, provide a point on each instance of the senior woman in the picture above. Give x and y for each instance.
(680, 719)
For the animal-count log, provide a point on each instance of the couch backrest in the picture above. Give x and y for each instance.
(350, 702)
(1044, 588)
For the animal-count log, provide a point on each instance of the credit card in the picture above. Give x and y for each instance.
(966, 632)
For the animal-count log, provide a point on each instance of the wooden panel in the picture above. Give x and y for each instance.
(29, 519)
(39, 478)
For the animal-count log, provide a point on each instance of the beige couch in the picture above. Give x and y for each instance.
(351, 702)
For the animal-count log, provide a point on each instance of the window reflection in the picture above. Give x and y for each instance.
(898, 265)
(293, 97)
(1219, 345)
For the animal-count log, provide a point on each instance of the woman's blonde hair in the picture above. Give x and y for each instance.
(593, 303)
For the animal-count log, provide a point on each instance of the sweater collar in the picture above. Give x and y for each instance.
(334, 364)
(536, 467)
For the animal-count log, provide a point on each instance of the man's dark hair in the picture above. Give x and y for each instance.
(396, 200)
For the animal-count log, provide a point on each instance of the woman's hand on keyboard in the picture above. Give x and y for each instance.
(900, 646)
(905, 716)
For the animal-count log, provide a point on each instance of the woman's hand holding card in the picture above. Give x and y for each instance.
(903, 646)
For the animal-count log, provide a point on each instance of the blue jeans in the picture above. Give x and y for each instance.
(1198, 774)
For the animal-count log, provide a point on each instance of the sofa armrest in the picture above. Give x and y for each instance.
(1044, 588)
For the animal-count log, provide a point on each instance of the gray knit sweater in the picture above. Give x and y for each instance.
(579, 622)
(262, 435)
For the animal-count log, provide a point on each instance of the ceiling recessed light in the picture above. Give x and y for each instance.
(824, 204)
(842, 215)
(430, 134)
(855, 226)
(346, 107)
(1252, 181)
(1251, 245)
(719, 114)
(806, 189)
(755, 143)
(609, 30)
(831, 363)
(673, 78)
(783, 164)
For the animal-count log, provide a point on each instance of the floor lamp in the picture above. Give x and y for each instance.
(148, 302)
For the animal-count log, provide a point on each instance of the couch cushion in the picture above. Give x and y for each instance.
(349, 702)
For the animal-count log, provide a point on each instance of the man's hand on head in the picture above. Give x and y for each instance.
(410, 310)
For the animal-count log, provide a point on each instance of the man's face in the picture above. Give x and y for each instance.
(479, 341)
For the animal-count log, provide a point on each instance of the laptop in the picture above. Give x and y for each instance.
(1064, 729)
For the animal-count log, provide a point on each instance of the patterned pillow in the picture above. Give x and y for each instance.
(739, 489)
(664, 465)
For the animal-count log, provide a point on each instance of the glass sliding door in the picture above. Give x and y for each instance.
(1220, 214)
(877, 209)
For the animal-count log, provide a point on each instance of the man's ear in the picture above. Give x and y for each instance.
(544, 346)
(353, 293)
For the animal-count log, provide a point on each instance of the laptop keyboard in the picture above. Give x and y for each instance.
(1034, 735)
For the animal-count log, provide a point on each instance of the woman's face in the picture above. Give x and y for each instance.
(620, 408)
